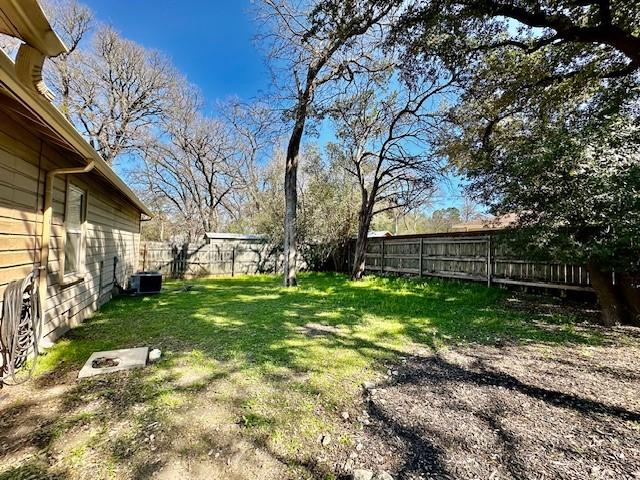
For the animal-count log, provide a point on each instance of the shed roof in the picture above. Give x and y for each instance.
(379, 233)
(234, 236)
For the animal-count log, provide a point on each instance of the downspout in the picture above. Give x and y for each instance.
(47, 216)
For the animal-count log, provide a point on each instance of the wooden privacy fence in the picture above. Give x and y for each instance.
(465, 256)
(478, 257)
(203, 259)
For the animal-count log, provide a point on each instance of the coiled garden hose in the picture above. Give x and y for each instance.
(20, 328)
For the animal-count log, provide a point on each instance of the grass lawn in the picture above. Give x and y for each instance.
(252, 377)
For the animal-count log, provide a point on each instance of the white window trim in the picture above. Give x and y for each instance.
(77, 276)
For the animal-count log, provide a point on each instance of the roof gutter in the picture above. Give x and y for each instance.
(29, 23)
(48, 114)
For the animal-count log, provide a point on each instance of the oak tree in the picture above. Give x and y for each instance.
(312, 45)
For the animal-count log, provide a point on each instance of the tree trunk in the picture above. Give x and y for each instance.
(290, 219)
(611, 303)
(359, 255)
(364, 223)
(628, 285)
(291, 199)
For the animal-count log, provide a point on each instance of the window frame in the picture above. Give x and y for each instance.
(79, 271)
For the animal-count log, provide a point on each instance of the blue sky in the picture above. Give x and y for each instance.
(211, 43)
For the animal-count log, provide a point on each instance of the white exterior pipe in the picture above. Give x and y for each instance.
(47, 217)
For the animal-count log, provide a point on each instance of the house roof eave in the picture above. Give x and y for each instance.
(46, 113)
(25, 20)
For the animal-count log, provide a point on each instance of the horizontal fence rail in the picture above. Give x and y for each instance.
(469, 257)
(465, 256)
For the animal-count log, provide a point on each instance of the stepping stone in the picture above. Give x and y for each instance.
(114, 361)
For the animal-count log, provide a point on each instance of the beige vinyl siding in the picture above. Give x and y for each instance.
(112, 227)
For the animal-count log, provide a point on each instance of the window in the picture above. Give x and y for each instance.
(74, 226)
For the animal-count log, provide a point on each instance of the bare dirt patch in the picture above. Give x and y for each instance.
(109, 427)
(518, 412)
(583, 309)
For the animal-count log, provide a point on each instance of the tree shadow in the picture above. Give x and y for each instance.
(32, 470)
(497, 434)
(242, 329)
(420, 456)
(439, 369)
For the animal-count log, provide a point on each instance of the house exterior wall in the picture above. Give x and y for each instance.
(112, 227)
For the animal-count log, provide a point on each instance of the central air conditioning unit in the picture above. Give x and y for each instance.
(145, 282)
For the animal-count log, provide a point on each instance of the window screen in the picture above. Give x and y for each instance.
(73, 221)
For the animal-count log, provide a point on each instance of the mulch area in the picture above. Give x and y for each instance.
(520, 411)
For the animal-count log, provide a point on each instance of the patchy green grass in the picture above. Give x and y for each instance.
(244, 358)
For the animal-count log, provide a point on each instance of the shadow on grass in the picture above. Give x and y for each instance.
(250, 330)
(32, 470)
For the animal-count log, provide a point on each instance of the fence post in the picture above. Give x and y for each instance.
(420, 259)
(144, 258)
(382, 256)
(183, 259)
(233, 261)
(210, 267)
(489, 261)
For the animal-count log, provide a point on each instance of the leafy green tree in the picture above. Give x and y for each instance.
(546, 124)
(326, 210)
(444, 218)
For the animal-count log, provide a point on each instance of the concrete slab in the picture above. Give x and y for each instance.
(114, 361)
